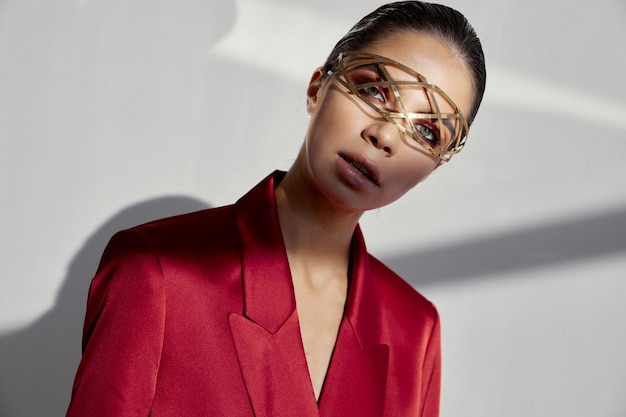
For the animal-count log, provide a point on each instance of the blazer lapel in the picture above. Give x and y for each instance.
(356, 381)
(267, 335)
(273, 368)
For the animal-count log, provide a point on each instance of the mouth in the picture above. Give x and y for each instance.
(362, 165)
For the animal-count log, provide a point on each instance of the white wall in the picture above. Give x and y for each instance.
(116, 112)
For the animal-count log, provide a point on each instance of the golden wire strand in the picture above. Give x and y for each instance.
(350, 60)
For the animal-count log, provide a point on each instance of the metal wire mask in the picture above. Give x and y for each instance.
(367, 77)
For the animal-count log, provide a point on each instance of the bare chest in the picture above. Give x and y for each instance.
(320, 316)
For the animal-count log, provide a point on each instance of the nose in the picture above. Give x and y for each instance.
(383, 135)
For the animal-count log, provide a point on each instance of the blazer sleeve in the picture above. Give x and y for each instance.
(123, 332)
(431, 386)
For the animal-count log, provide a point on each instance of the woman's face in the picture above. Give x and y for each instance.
(356, 158)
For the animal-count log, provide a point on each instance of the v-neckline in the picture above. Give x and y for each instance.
(267, 333)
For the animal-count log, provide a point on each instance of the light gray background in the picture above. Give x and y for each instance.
(120, 111)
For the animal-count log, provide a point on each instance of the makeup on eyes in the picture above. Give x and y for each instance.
(368, 81)
(388, 86)
(434, 130)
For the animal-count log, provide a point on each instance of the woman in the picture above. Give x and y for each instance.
(272, 306)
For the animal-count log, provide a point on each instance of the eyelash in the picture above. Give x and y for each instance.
(433, 130)
(371, 92)
(367, 91)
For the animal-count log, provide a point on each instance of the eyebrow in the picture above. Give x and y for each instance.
(368, 67)
(446, 122)
(375, 67)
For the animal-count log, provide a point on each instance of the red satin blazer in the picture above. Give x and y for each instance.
(195, 315)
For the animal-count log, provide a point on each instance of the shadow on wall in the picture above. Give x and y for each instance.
(574, 240)
(38, 363)
(82, 56)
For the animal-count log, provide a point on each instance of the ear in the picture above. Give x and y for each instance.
(313, 91)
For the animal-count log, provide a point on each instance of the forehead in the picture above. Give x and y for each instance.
(432, 58)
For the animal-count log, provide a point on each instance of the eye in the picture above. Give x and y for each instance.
(366, 82)
(373, 93)
(428, 133)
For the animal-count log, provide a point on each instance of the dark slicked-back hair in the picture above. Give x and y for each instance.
(441, 21)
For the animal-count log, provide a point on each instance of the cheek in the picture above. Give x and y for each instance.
(331, 126)
(413, 170)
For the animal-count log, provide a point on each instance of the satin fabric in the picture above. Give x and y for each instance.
(195, 315)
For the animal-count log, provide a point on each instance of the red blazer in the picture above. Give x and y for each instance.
(195, 316)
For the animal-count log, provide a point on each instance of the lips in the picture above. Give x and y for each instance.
(362, 165)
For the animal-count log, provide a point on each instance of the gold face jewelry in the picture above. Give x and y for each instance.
(366, 76)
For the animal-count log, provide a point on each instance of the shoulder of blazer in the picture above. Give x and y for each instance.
(196, 240)
(208, 230)
(401, 302)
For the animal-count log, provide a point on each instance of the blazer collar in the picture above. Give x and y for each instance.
(269, 295)
(268, 291)
(357, 376)
(267, 336)
(363, 305)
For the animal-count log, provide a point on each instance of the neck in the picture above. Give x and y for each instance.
(315, 232)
